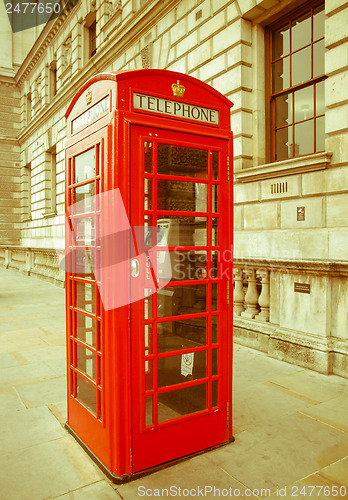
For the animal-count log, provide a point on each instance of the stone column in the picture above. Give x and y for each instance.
(238, 293)
(264, 299)
(251, 297)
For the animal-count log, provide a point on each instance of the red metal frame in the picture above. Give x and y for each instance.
(117, 438)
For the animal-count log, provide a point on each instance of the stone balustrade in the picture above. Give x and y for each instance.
(40, 262)
(251, 298)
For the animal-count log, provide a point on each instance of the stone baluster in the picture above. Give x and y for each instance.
(264, 299)
(238, 293)
(251, 296)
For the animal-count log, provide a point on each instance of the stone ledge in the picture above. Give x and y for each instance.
(310, 163)
(337, 268)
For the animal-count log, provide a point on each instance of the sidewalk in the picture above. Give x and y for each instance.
(290, 424)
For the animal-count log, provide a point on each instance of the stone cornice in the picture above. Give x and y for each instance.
(315, 266)
(303, 164)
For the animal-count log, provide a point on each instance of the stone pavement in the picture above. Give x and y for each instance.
(290, 424)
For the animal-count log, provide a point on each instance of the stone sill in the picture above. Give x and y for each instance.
(49, 214)
(308, 266)
(309, 163)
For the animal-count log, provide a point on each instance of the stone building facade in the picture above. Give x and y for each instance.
(284, 65)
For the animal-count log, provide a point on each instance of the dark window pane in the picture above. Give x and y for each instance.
(181, 196)
(281, 75)
(173, 370)
(214, 265)
(215, 165)
(214, 329)
(215, 229)
(172, 301)
(214, 357)
(180, 160)
(148, 303)
(304, 138)
(86, 393)
(84, 263)
(304, 103)
(85, 166)
(319, 58)
(301, 66)
(182, 265)
(320, 134)
(148, 411)
(86, 361)
(147, 194)
(86, 329)
(183, 334)
(214, 393)
(282, 150)
(181, 402)
(148, 339)
(280, 42)
(215, 198)
(184, 231)
(320, 98)
(283, 110)
(148, 156)
(301, 31)
(85, 296)
(318, 22)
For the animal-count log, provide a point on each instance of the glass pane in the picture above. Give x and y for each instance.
(215, 165)
(281, 75)
(85, 296)
(148, 411)
(181, 402)
(181, 196)
(184, 231)
(177, 369)
(148, 156)
(214, 329)
(280, 42)
(148, 303)
(148, 339)
(84, 263)
(214, 363)
(301, 66)
(320, 98)
(301, 31)
(100, 405)
(304, 103)
(180, 160)
(214, 265)
(148, 374)
(84, 231)
(183, 334)
(282, 143)
(215, 229)
(147, 194)
(85, 166)
(319, 58)
(215, 198)
(186, 265)
(304, 138)
(214, 393)
(86, 329)
(85, 198)
(189, 299)
(283, 110)
(214, 296)
(86, 393)
(320, 134)
(86, 361)
(318, 22)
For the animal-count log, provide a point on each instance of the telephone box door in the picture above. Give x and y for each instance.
(179, 199)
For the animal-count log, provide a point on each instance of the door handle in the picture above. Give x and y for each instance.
(135, 268)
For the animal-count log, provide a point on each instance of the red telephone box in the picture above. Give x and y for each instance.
(148, 262)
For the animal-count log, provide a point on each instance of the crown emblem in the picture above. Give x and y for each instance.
(178, 90)
(88, 97)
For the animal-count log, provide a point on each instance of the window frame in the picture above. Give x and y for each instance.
(288, 18)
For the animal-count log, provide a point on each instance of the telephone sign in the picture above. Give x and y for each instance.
(148, 223)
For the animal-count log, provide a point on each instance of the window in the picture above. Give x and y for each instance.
(92, 34)
(53, 79)
(28, 108)
(297, 76)
(50, 181)
(26, 193)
